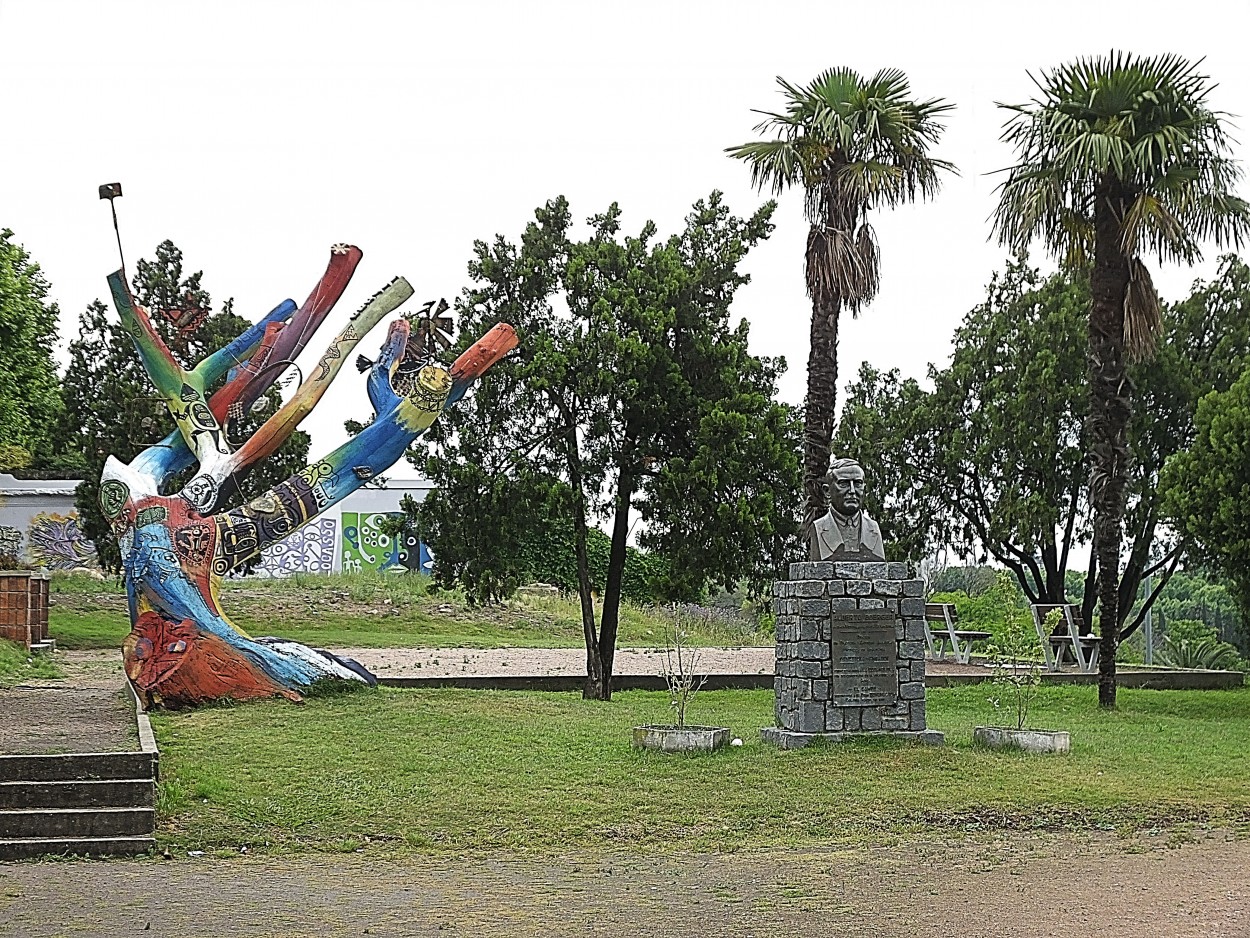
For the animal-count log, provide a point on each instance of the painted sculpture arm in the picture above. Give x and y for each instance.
(237, 353)
(183, 392)
(284, 343)
(171, 455)
(206, 486)
(272, 340)
(243, 533)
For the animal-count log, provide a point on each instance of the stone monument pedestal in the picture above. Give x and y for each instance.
(850, 654)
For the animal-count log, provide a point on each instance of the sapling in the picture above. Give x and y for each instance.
(1014, 654)
(680, 661)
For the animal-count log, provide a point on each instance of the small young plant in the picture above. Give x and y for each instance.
(1014, 654)
(680, 661)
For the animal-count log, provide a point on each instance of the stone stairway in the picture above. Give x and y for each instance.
(92, 804)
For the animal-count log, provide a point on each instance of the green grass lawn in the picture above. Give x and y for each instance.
(17, 665)
(373, 610)
(448, 771)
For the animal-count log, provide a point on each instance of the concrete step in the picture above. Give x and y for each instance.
(25, 848)
(79, 793)
(78, 767)
(44, 647)
(72, 823)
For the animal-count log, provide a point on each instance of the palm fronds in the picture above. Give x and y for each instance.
(1132, 132)
(852, 144)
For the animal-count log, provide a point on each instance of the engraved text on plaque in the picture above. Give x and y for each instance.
(864, 658)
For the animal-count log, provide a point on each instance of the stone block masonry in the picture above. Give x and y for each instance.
(850, 654)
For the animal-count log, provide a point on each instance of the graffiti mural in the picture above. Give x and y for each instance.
(10, 542)
(55, 541)
(367, 547)
(182, 648)
(308, 550)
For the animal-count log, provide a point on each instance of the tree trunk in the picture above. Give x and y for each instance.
(1110, 407)
(594, 688)
(610, 615)
(821, 406)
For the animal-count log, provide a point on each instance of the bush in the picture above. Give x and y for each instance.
(553, 559)
(1192, 644)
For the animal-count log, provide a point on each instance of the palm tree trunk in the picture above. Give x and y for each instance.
(1110, 398)
(821, 406)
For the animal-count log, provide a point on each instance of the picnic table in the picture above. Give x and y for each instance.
(1068, 637)
(942, 632)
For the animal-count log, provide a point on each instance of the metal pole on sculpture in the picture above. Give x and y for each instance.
(111, 191)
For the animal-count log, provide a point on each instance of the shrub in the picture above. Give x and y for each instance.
(1192, 644)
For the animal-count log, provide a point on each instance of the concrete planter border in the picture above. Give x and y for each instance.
(1040, 741)
(668, 738)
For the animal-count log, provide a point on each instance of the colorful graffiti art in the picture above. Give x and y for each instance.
(308, 550)
(183, 649)
(367, 547)
(10, 542)
(55, 541)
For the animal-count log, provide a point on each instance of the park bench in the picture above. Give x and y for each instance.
(1066, 638)
(942, 632)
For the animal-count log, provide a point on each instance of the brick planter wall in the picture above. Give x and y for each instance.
(24, 607)
(850, 654)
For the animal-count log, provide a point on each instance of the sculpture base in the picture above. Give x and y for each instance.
(790, 739)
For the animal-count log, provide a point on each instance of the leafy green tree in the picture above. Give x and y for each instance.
(1205, 487)
(991, 462)
(30, 401)
(631, 399)
(1119, 156)
(111, 409)
(883, 427)
(1196, 594)
(853, 144)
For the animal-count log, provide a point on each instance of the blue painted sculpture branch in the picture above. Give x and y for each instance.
(182, 648)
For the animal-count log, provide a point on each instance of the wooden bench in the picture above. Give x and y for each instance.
(1066, 637)
(959, 640)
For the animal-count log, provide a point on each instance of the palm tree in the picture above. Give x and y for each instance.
(1118, 156)
(852, 145)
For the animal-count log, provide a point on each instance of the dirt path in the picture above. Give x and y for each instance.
(1025, 886)
(89, 710)
(501, 662)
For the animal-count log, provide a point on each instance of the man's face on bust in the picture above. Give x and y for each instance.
(846, 489)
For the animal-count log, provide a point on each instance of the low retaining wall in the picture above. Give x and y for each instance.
(1132, 680)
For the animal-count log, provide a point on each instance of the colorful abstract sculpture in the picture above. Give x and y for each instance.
(182, 649)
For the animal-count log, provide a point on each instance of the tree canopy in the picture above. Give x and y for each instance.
(1207, 486)
(30, 401)
(991, 461)
(633, 398)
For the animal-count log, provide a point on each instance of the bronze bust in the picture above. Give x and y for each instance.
(846, 532)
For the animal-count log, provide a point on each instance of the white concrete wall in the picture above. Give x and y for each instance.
(22, 499)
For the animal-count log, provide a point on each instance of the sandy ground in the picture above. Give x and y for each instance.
(89, 710)
(1024, 886)
(515, 662)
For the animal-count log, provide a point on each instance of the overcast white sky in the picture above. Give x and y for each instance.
(255, 134)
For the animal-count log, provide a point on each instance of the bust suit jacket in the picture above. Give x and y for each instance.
(827, 539)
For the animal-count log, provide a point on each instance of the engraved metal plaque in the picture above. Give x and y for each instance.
(864, 658)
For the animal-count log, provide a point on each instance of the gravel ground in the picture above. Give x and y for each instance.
(1019, 886)
(89, 710)
(548, 662)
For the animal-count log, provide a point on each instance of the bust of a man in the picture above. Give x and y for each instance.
(846, 532)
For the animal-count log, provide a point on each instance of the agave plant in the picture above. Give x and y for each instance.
(1205, 653)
